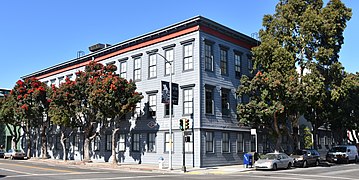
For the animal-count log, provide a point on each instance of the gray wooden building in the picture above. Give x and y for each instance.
(208, 60)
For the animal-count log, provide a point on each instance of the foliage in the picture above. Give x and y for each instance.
(308, 143)
(304, 35)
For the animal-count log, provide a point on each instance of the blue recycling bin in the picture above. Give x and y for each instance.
(247, 160)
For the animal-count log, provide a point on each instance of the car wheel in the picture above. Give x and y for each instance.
(289, 165)
(274, 167)
(305, 164)
(317, 162)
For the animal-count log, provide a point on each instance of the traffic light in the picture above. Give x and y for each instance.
(186, 126)
(181, 124)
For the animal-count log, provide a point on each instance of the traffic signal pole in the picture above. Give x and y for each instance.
(183, 152)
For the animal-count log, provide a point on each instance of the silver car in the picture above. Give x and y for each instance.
(274, 161)
(14, 154)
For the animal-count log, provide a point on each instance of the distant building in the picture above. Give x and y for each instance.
(208, 60)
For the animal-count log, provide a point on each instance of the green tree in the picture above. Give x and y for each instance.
(303, 34)
(7, 117)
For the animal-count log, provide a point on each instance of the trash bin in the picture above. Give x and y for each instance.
(160, 162)
(247, 160)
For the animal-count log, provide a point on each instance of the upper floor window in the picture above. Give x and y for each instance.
(209, 101)
(137, 112)
(225, 102)
(188, 56)
(152, 102)
(250, 63)
(187, 101)
(224, 61)
(169, 54)
(152, 66)
(208, 56)
(137, 69)
(123, 69)
(237, 64)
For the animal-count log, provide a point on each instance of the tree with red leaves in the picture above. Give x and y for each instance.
(63, 110)
(31, 108)
(101, 96)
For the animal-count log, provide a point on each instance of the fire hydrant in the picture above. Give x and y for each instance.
(160, 162)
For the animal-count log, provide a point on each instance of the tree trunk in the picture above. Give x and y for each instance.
(62, 140)
(43, 142)
(277, 130)
(113, 144)
(86, 149)
(28, 141)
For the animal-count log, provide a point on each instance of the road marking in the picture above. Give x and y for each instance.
(272, 177)
(41, 168)
(14, 171)
(338, 172)
(74, 173)
(133, 177)
(311, 175)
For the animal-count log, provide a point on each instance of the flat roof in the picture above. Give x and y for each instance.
(186, 24)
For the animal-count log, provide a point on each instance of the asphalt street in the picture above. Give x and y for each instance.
(32, 170)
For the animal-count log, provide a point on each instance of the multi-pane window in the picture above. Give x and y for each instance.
(152, 66)
(188, 142)
(108, 146)
(136, 142)
(237, 64)
(209, 101)
(137, 69)
(152, 102)
(208, 57)
(225, 142)
(187, 101)
(58, 143)
(224, 61)
(188, 57)
(123, 69)
(225, 102)
(96, 143)
(168, 144)
(209, 142)
(121, 142)
(167, 109)
(67, 143)
(240, 145)
(151, 145)
(169, 63)
(137, 112)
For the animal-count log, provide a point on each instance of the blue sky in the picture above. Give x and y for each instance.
(40, 33)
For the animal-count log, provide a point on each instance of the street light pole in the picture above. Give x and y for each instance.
(170, 113)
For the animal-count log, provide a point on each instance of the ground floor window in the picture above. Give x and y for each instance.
(136, 142)
(240, 144)
(225, 143)
(151, 145)
(168, 143)
(121, 142)
(209, 142)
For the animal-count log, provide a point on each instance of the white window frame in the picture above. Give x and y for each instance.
(208, 56)
(187, 101)
(123, 69)
(151, 142)
(188, 56)
(167, 143)
(137, 69)
(169, 54)
(152, 103)
(135, 142)
(152, 66)
(121, 145)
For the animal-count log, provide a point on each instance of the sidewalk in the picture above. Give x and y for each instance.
(231, 169)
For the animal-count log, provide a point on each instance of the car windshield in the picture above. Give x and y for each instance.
(338, 149)
(270, 156)
(299, 152)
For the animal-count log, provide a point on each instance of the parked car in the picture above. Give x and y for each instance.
(14, 154)
(2, 153)
(342, 153)
(306, 157)
(274, 161)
